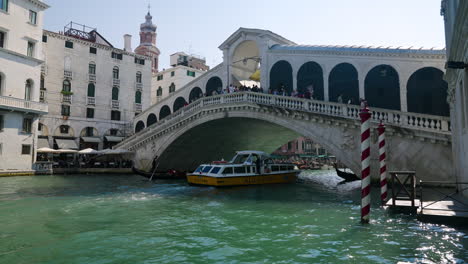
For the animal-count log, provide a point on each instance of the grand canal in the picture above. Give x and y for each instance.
(126, 219)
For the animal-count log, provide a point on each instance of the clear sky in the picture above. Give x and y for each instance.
(199, 27)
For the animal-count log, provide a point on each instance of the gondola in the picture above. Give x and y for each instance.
(346, 176)
(171, 174)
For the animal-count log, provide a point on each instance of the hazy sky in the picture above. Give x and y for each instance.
(199, 27)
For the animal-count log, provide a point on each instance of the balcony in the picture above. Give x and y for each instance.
(90, 100)
(115, 104)
(66, 98)
(139, 86)
(92, 77)
(138, 108)
(116, 82)
(67, 75)
(43, 96)
(16, 104)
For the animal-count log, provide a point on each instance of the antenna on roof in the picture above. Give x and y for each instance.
(149, 6)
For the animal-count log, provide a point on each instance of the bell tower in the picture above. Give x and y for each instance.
(148, 41)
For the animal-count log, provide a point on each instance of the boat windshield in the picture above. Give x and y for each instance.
(199, 169)
(238, 159)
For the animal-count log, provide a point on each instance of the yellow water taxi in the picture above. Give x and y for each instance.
(246, 168)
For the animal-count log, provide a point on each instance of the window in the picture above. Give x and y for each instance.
(140, 61)
(228, 170)
(89, 112)
(30, 51)
(206, 169)
(91, 90)
(191, 73)
(69, 44)
(113, 132)
(138, 77)
(172, 73)
(115, 72)
(1, 83)
(25, 149)
(115, 115)
(27, 125)
(44, 37)
(2, 38)
(32, 17)
(116, 56)
(215, 170)
(66, 86)
(289, 145)
(4, 5)
(137, 97)
(1, 143)
(64, 129)
(160, 77)
(92, 50)
(115, 93)
(92, 68)
(239, 169)
(65, 110)
(172, 88)
(39, 127)
(1, 123)
(28, 90)
(89, 131)
(159, 91)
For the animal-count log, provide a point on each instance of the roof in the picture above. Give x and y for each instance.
(362, 48)
(238, 33)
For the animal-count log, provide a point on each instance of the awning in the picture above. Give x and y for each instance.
(66, 144)
(43, 143)
(114, 139)
(91, 139)
(88, 151)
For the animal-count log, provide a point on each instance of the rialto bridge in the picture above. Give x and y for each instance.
(403, 86)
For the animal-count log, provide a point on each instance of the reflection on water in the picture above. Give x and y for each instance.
(126, 219)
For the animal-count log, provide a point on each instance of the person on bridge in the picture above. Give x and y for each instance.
(340, 99)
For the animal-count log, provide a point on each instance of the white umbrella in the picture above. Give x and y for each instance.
(88, 151)
(46, 150)
(66, 151)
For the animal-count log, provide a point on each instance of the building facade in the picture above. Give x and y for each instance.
(301, 146)
(455, 15)
(192, 61)
(20, 68)
(93, 90)
(147, 45)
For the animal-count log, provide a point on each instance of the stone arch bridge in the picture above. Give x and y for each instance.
(215, 127)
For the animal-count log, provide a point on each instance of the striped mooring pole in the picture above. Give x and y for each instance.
(365, 163)
(383, 164)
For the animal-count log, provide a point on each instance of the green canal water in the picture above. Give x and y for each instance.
(126, 219)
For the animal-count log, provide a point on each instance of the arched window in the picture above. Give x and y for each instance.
(172, 88)
(159, 91)
(66, 87)
(92, 68)
(115, 72)
(138, 97)
(28, 90)
(138, 77)
(281, 79)
(152, 119)
(382, 87)
(115, 93)
(139, 126)
(91, 90)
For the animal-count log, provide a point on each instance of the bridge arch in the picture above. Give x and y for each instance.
(382, 87)
(214, 84)
(165, 111)
(281, 77)
(310, 78)
(195, 93)
(179, 103)
(139, 126)
(343, 80)
(152, 119)
(427, 92)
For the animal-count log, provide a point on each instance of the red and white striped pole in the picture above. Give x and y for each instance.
(383, 164)
(365, 162)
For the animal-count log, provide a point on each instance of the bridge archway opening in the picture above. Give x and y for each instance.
(152, 119)
(214, 86)
(165, 111)
(195, 93)
(427, 92)
(343, 80)
(310, 79)
(382, 87)
(245, 62)
(139, 126)
(281, 77)
(179, 103)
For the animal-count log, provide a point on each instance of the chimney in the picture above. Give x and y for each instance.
(128, 42)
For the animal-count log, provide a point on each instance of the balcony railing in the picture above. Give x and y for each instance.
(138, 108)
(115, 104)
(139, 86)
(43, 96)
(92, 77)
(116, 82)
(67, 98)
(68, 74)
(91, 100)
(11, 103)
